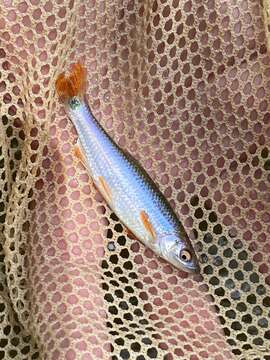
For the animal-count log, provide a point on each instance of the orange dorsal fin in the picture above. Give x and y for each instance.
(73, 84)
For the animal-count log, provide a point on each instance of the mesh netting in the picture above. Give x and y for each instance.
(183, 86)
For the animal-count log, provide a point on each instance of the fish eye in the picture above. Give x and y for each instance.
(185, 255)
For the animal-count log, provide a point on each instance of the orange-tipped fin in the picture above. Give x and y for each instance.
(104, 189)
(73, 84)
(147, 224)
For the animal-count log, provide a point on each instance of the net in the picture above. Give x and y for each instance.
(182, 85)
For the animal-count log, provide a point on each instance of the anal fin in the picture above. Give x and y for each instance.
(104, 189)
(78, 153)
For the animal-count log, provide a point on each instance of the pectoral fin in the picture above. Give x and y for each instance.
(147, 225)
(130, 234)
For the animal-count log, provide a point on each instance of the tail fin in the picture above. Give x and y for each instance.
(72, 85)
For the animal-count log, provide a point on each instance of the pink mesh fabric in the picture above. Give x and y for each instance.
(183, 86)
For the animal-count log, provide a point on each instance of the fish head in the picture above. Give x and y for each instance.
(177, 250)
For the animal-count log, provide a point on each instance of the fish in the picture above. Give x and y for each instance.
(125, 186)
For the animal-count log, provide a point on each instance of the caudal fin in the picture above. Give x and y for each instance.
(72, 85)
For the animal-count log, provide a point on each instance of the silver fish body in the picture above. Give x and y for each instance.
(130, 192)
